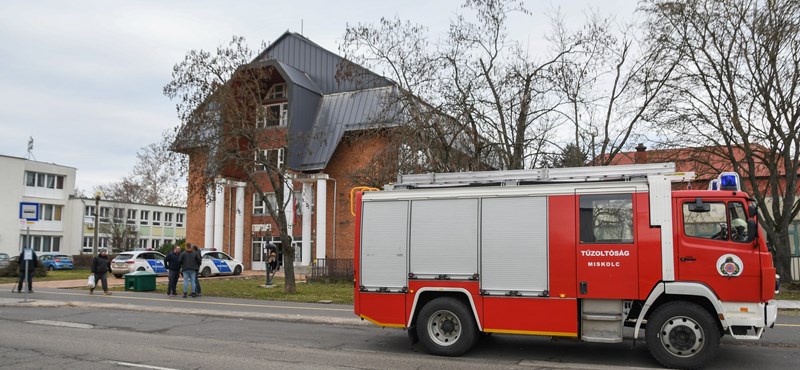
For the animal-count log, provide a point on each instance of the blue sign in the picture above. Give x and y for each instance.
(29, 211)
(222, 266)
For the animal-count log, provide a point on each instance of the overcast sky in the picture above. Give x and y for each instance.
(85, 78)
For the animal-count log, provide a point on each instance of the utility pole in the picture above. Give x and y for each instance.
(97, 196)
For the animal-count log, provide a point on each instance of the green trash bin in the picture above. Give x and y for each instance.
(140, 281)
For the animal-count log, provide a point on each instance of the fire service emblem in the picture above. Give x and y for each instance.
(730, 265)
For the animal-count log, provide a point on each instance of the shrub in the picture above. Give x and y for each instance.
(12, 270)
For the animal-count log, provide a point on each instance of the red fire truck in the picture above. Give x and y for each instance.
(579, 253)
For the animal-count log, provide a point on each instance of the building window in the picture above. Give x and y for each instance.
(266, 158)
(50, 212)
(168, 218)
(156, 218)
(104, 213)
(277, 91)
(273, 115)
(606, 219)
(155, 243)
(131, 219)
(143, 243)
(260, 206)
(179, 220)
(167, 241)
(44, 180)
(88, 241)
(119, 213)
(42, 243)
(88, 211)
(145, 215)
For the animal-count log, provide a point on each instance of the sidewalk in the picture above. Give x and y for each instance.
(57, 294)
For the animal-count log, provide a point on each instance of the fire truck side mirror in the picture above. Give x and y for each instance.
(752, 230)
(699, 206)
(752, 210)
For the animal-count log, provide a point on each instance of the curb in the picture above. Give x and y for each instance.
(211, 313)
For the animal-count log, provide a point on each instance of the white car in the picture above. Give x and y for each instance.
(219, 263)
(150, 261)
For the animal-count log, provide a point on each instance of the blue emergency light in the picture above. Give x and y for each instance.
(729, 181)
(713, 184)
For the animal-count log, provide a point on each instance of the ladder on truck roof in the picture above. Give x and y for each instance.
(541, 175)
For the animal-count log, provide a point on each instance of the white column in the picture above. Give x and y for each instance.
(288, 198)
(305, 208)
(209, 226)
(238, 238)
(322, 214)
(219, 215)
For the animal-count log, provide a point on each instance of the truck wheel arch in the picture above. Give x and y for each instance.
(425, 295)
(671, 291)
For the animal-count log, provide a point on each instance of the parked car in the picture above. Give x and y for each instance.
(150, 261)
(4, 260)
(219, 263)
(56, 261)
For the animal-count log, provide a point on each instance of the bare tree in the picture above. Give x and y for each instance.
(158, 177)
(220, 97)
(122, 235)
(487, 105)
(736, 88)
(608, 83)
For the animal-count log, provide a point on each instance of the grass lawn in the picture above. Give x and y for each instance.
(53, 275)
(788, 295)
(251, 288)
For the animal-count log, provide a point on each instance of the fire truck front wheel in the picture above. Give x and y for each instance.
(682, 335)
(446, 327)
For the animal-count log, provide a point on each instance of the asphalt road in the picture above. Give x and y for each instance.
(100, 338)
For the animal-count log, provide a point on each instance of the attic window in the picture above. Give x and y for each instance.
(277, 91)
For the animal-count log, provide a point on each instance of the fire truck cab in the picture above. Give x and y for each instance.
(574, 252)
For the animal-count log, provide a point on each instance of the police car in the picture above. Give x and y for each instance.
(219, 263)
(150, 261)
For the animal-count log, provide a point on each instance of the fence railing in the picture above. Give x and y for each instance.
(795, 268)
(331, 269)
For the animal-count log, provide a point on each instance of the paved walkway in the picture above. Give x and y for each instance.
(57, 294)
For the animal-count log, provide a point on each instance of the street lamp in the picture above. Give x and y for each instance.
(97, 196)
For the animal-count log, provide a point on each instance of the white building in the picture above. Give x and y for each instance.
(65, 222)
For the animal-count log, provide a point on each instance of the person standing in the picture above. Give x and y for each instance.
(190, 263)
(197, 276)
(173, 264)
(101, 265)
(31, 268)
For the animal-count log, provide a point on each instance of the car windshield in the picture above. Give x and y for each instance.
(123, 256)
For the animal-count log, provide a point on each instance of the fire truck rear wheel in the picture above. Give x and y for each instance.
(446, 327)
(682, 335)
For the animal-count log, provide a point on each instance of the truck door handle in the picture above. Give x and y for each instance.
(688, 259)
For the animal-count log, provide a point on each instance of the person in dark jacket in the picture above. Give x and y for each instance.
(171, 262)
(31, 268)
(101, 265)
(197, 277)
(190, 263)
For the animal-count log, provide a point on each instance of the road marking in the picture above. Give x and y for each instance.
(797, 325)
(64, 324)
(215, 303)
(129, 364)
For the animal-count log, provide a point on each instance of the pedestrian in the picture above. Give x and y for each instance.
(190, 263)
(197, 276)
(173, 264)
(101, 265)
(31, 268)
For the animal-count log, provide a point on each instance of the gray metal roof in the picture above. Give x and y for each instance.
(319, 64)
(342, 112)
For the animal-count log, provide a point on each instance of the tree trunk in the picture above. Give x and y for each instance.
(288, 264)
(783, 255)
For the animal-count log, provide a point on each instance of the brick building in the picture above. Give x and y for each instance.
(339, 120)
